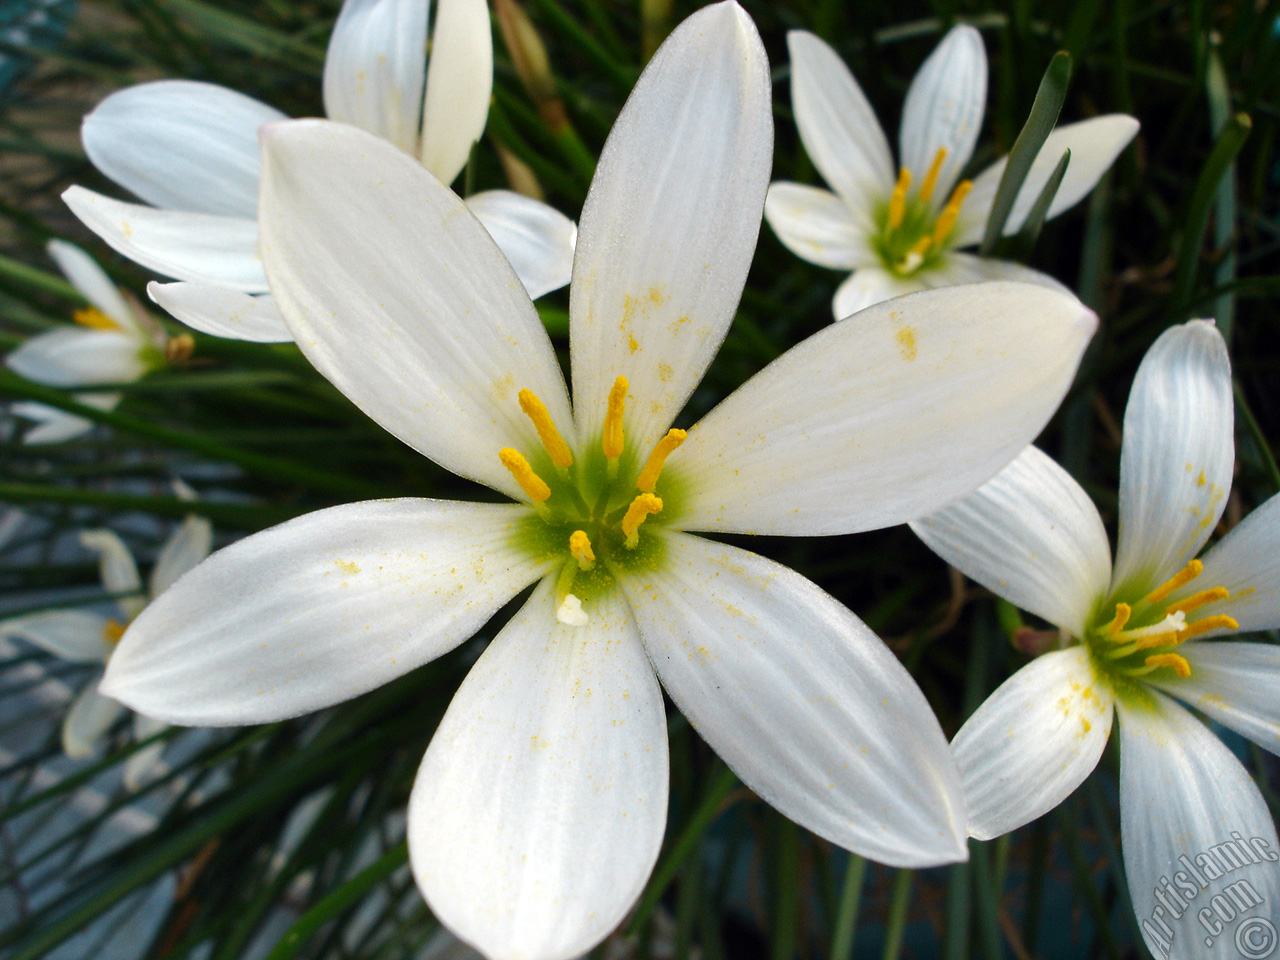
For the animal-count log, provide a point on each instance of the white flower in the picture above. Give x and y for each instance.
(86, 637)
(115, 341)
(190, 151)
(541, 803)
(903, 233)
(1135, 633)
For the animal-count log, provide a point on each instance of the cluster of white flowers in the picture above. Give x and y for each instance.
(539, 809)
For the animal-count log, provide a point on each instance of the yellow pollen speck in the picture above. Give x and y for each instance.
(612, 439)
(648, 478)
(906, 338)
(1197, 600)
(1179, 579)
(641, 508)
(346, 566)
(898, 201)
(580, 550)
(1178, 663)
(931, 178)
(112, 631)
(536, 411)
(532, 484)
(1200, 480)
(1086, 724)
(947, 218)
(1218, 622)
(95, 319)
(632, 343)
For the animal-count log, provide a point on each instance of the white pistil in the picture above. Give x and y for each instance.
(570, 612)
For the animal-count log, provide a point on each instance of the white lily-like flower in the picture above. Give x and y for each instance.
(115, 341)
(190, 151)
(1133, 634)
(84, 636)
(904, 233)
(541, 802)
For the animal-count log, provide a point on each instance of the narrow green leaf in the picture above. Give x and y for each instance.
(1030, 231)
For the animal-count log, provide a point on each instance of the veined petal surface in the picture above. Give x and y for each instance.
(222, 311)
(92, 282)
(181, 145)
(886, 416)
(400, 297)
(459, 84)
(1235, 683)
(79, 357)
(374, 68)
(816, 225)
(74, 635)
(116, 568)
(1031, 535)
(944, 109)
(959, 267)
(539, 808)
(670, 223)
(802, 700)
(1033, 741)
(204, 247)
(1178, 454)
(187, 545)
(1190, 814)
(536, 237)
(870, 285)
(90, 717)
(318, 610)
(1247, 562)
(838, 127)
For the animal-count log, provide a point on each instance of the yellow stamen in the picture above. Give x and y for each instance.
(612, 439)
(947, 218)
(898, 201)
(1179, 579)
(536, 411)
(532, 484)
(648, 478)
(1178, 663)
(112, 631)
(1208, 623)
(180, 348)
(640, 509)
(1197, 600)
(931, 178)
(95, 319)
(580, 550)
(1119, 620)
(1170, 638)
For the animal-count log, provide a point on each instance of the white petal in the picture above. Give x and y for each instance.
(1235, 683)
(886, 416)
(374, 68)
(839, 129)
(459, 83)
(670, 223)
(1094, 146)
(1247, 562)
(1177, 457)
(74, 635)
(1191, 819)
(537, 238)
(815, 225)
(58, 426)
(318, 610)
(1031, 535)
(79, 357)
(204, 247)
(802, 700)
(539, 809)
(188, 545)
(181, 145)
(944, 109)
(145, 764)
(116, 565)
(868, 286)
(222, 311)
(87, 722)
(1033, 741)
(957, 268)
(398, 295)
(92, 282)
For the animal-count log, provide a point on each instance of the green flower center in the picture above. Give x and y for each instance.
(912, 237)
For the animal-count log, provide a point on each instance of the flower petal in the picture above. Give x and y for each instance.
(837, 126)
(374, 68)
(539, 808)
(802, 700)
(418, 319)
(145, 764)
(1094, 146)
(459, 84)
(1177, 457)
(886, 416)
(957, 268)
(92, 282)
(116, 567)
(1235, 683)
(815, 225)
(181, 145)
(537, 238)
(222, 311)
(1033, 741)
(79, 357)
(188, 545)
(74, 635)
(1194, 830)
(58, 426)
(868, 286)
(319, 609)
(87, 722)
(670, 223)
(203, 247)
(1031, 535)
(944, 109)
(1247, 562)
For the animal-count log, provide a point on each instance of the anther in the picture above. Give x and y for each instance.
(180, 348)
(532, 484)
(536, 411)
(580, 550)
(640, 509)
(95, 319)
(1218, 622)
(612, 439)
(1197, 600)
(112, 631)
(931, 178)
(1119, 620)
(648, 478)
(898, 201)
(1179, 579)
(947, 218)
(1178, 663)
